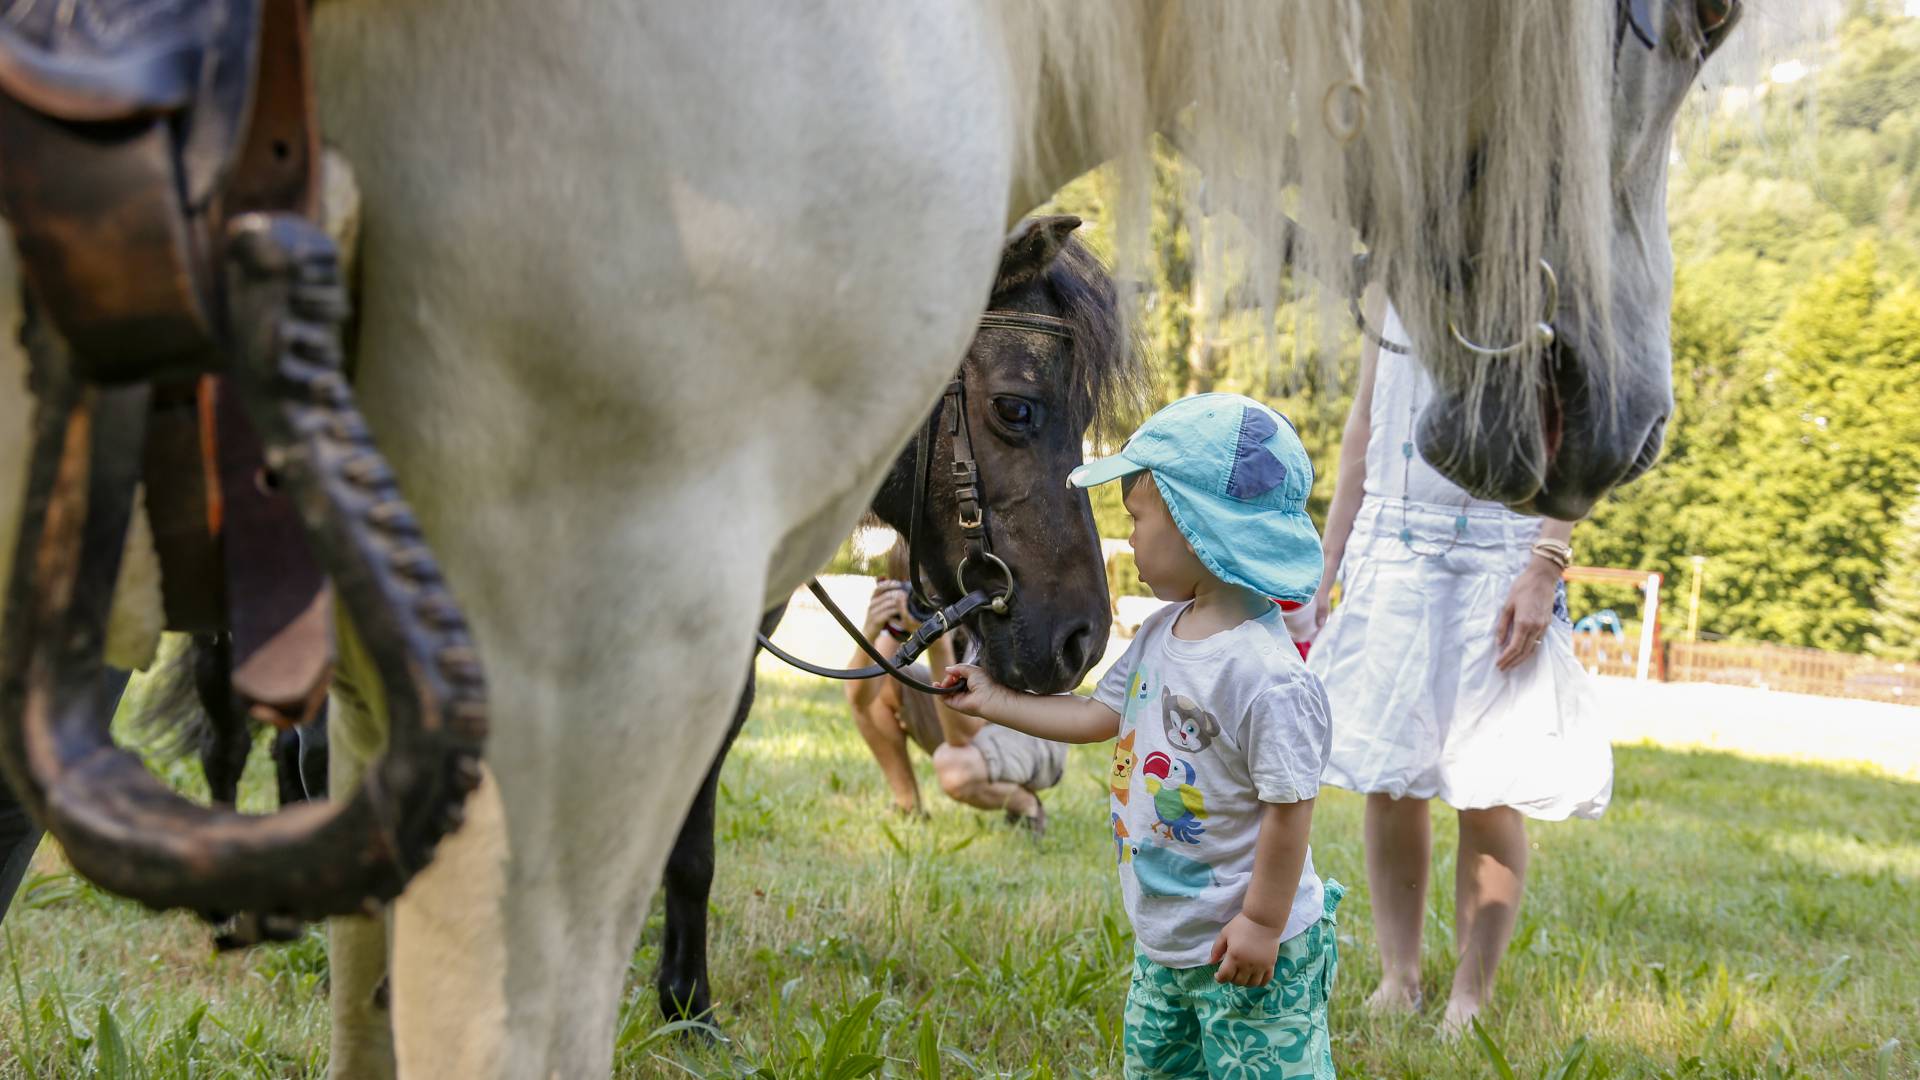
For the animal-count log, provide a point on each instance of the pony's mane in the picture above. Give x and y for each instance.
(1333, 112)
(1106, 373)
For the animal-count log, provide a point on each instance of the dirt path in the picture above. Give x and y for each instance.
(1764, 723)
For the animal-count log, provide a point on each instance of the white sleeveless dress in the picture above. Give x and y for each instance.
(1419, 709)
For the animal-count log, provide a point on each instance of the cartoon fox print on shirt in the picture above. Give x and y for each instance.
(1122, 780)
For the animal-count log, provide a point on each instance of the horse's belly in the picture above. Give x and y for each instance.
(728, 246)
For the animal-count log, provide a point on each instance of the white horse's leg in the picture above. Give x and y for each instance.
(362, 1043)
(650, 293)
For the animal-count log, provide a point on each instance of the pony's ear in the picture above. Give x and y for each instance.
(1035, 243)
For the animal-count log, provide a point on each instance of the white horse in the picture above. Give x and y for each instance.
(641, 271)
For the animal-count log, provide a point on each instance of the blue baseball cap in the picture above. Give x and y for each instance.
(1235, 478)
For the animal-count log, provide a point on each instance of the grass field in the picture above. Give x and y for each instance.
(1728, 918)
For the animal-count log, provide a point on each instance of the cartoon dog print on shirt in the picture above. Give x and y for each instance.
(1189, 727)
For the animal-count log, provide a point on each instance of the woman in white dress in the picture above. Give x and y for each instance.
(1449, 665)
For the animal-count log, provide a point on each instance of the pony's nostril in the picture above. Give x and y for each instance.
(1649, 451)
(1076, 652)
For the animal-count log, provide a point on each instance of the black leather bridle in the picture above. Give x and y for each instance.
(935, 618)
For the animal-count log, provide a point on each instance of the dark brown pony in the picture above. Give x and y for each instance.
(1031, 399)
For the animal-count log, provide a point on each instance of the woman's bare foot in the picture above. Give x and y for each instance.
(1459, 1017)
(1393, 999)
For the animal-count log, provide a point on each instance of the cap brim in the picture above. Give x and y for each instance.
(1273, 552)
(1105, 470)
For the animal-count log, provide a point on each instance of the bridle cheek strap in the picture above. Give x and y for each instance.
(937, 620)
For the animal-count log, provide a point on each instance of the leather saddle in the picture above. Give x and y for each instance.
(158, 170)
(135, 129)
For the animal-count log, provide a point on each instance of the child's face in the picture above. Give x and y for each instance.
(1165, 560)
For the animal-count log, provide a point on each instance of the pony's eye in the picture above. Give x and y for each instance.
(1715, 14)
(1015, 412)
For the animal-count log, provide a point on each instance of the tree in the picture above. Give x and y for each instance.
(1896, 623)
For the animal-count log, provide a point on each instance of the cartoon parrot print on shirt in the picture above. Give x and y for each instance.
(1177, 804)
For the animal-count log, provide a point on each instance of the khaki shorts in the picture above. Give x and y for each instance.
(1012, 757)
(1015, 757)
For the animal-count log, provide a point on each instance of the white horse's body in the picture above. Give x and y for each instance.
(643, 271)
(616, 295)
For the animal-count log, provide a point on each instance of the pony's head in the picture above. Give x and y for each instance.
(1031, 396)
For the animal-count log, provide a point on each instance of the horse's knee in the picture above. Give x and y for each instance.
(690, 866)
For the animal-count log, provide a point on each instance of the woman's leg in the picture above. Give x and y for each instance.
(880, 727)
(1399, 843)
(1487, 882)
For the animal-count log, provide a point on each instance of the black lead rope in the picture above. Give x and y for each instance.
(947, 618)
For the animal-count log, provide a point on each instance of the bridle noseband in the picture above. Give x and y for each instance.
(936, 619)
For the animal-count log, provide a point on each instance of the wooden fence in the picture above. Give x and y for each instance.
(1793, 669)
(1768, 667)
(1600, 652)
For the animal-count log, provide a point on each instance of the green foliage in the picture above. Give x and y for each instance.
(1896, 622)
(1795, 441)
(848, 560)
(1123, 577)
(1110, 512)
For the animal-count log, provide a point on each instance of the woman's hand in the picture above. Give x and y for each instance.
(1323, 596)
(1322, 608)
(1246, 952)
(978, 696)
(1527, 612)
(888, 605)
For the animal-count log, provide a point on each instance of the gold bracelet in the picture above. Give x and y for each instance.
(1559, 554)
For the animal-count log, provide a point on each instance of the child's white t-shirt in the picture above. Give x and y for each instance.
(1209, 730)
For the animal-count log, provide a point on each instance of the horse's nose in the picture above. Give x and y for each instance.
(1076, 650)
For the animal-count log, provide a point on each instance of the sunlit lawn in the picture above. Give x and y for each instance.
(1728, 918)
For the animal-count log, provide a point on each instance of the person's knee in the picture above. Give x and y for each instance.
(1493, 820)
(958, 768)
(879, 727)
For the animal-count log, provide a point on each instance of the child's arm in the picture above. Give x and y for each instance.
(1061, 717)
(1247, 946)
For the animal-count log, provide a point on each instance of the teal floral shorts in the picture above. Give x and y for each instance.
(1180, 1023)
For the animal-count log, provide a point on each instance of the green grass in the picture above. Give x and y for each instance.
(1728, 918)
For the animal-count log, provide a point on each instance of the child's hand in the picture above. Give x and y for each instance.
(1246, 952)
(979, 695)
